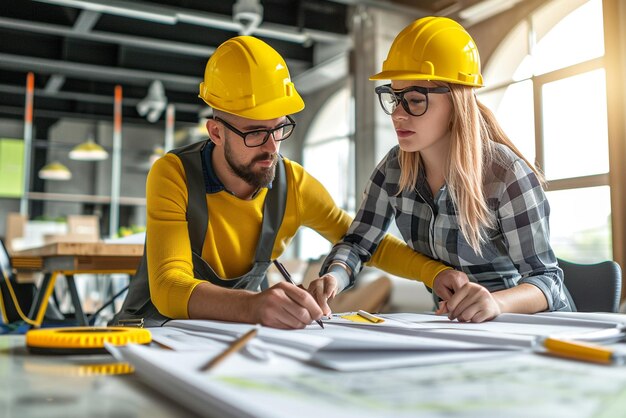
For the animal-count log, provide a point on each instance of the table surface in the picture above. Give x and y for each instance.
(82, 248)
(70, 386)
(77, 256)
(71, 258)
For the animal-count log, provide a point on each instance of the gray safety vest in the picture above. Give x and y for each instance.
(138, 306)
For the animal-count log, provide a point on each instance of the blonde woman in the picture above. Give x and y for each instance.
(458, 189)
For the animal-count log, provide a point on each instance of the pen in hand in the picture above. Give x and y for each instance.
(283, 271)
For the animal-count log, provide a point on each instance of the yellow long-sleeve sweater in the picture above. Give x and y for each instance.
(233, 231)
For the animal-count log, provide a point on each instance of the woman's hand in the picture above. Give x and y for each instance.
(323, 289)
(447, 282)
(464, 300)
(471, 303)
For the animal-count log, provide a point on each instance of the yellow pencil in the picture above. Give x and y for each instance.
(237, 345)
(579, 351)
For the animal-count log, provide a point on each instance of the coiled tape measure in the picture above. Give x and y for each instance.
(83, 340)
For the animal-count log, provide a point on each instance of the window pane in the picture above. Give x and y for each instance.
(582, 235)
(312, 245)
(513, 107)
(576, 38)
(333, 120)
(575, 126)
(329, 163)
(327, 156)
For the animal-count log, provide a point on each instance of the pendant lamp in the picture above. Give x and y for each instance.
(55, 171)
(88, 151)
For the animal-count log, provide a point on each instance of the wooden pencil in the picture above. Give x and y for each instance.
(237, 345)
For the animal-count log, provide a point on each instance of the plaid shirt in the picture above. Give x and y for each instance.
(517, 249)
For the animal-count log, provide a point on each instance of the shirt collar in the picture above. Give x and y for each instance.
(421, 175)
(211, 181)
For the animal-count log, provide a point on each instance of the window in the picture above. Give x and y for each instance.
(329, 139)
(550, 97)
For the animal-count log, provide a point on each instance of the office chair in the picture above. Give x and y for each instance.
(593, 287)
(24, 292)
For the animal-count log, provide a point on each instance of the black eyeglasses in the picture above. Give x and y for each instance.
(259, 137)
(414, 99)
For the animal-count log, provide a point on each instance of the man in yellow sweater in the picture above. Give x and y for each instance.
(220, 211)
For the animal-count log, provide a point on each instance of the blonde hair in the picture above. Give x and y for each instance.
(474, 129)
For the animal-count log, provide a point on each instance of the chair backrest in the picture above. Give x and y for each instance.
(593, 287)
(371, 296)
(5, 262)
(24, 292)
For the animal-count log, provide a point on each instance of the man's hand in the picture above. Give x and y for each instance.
(285, 306)
(324, 289)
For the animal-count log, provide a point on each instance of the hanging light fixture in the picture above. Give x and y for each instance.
(88, 151)
(55, 171)
(154, 103)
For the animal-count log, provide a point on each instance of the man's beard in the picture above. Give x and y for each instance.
(255, 179)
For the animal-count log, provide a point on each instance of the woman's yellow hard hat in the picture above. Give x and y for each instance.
(247, 77)
(433, 48)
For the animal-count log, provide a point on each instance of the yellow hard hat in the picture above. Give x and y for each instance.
(433, 48)
(248, 78)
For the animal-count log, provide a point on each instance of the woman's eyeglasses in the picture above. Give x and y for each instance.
(414, 99)
(258, 137)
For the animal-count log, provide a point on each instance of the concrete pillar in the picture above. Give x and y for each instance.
(373, 31)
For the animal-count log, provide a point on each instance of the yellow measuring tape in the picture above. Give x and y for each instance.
(83, 340)
(80, 370)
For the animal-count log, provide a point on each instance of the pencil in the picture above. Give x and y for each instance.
(237, 345)
(578, 351)
(283, 271)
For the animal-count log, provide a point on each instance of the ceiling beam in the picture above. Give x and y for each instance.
(127, 40)
(95, 98)
(98, 72)
(174, 15)
(412, 11)
(86, 20)
(18, 112)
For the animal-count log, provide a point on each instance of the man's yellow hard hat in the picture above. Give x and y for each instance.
(433, 48)
(248, 78)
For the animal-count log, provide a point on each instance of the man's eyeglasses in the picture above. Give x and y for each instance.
(414, 99)
(259, 137)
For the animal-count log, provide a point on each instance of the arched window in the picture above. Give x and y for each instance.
(328, 155)
(546, 84)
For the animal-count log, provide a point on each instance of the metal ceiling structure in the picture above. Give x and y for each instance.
(80, 49)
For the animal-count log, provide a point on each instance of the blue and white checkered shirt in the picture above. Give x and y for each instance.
(517, 249)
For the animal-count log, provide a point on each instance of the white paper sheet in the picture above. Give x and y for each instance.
(517, 385)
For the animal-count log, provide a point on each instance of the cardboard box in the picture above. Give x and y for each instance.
(14, 228)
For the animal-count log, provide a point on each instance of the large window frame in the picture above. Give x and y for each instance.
(539, 81)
